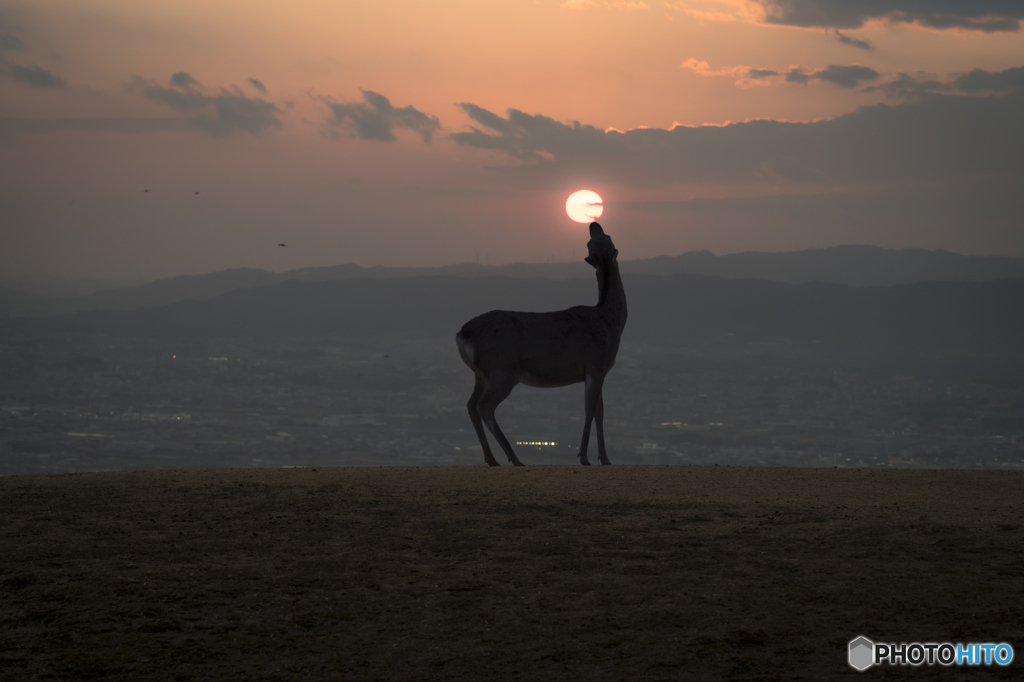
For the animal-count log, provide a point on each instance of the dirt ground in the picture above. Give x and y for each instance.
(470, 573)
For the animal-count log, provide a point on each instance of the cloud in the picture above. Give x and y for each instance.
(9, 41)
(376, 118)
(853, 42)
(256, 83)
(184, 80)
(603, 4)
(748, 76)
(702, 15)
(702, 68)
(843, 76)
(974, 82)
(9, 38)
(998, 81)
(220, 114)
(906, 86)
(977, 15)
(36, 76)
(531, 138)
(938, 137)
(715, 10)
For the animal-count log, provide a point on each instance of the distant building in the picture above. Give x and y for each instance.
(653, 453)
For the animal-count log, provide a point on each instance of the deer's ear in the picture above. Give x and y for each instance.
(591, 261)
(595, 229)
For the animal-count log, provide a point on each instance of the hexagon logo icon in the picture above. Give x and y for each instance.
(862, 653)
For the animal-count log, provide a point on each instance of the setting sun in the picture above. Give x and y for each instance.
(584, 206)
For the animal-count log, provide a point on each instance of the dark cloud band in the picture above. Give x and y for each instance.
(940, 136)
(978, 15)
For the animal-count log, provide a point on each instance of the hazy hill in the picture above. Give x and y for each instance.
(20, 303)
(963, 315)
(852, 265)
(61, 287)
(160, 292)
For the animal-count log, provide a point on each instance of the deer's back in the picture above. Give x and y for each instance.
(553, 348)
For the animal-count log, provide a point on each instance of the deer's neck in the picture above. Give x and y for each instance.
(611, 295)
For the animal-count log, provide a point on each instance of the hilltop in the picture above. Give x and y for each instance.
(542, 573)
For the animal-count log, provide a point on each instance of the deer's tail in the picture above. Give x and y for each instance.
(464, 341)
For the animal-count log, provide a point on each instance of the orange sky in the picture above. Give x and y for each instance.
(89, 118)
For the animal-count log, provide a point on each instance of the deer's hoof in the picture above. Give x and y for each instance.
(517, 463)
(606, 462)
(492, 463)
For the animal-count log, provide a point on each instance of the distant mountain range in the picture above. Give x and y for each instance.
(858, 266)
(920, 317)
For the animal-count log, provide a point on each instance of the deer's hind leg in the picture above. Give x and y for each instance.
(478, 425)
(495, 390)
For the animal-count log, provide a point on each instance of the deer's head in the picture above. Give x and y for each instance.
(600, 246)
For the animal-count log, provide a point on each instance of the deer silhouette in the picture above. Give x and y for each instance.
(546, 350)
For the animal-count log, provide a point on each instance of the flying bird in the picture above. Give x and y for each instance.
(197, 192)
(144, 191)
(282, 245)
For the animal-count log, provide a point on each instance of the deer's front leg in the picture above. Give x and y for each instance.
(592, 397)
(602, 453)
